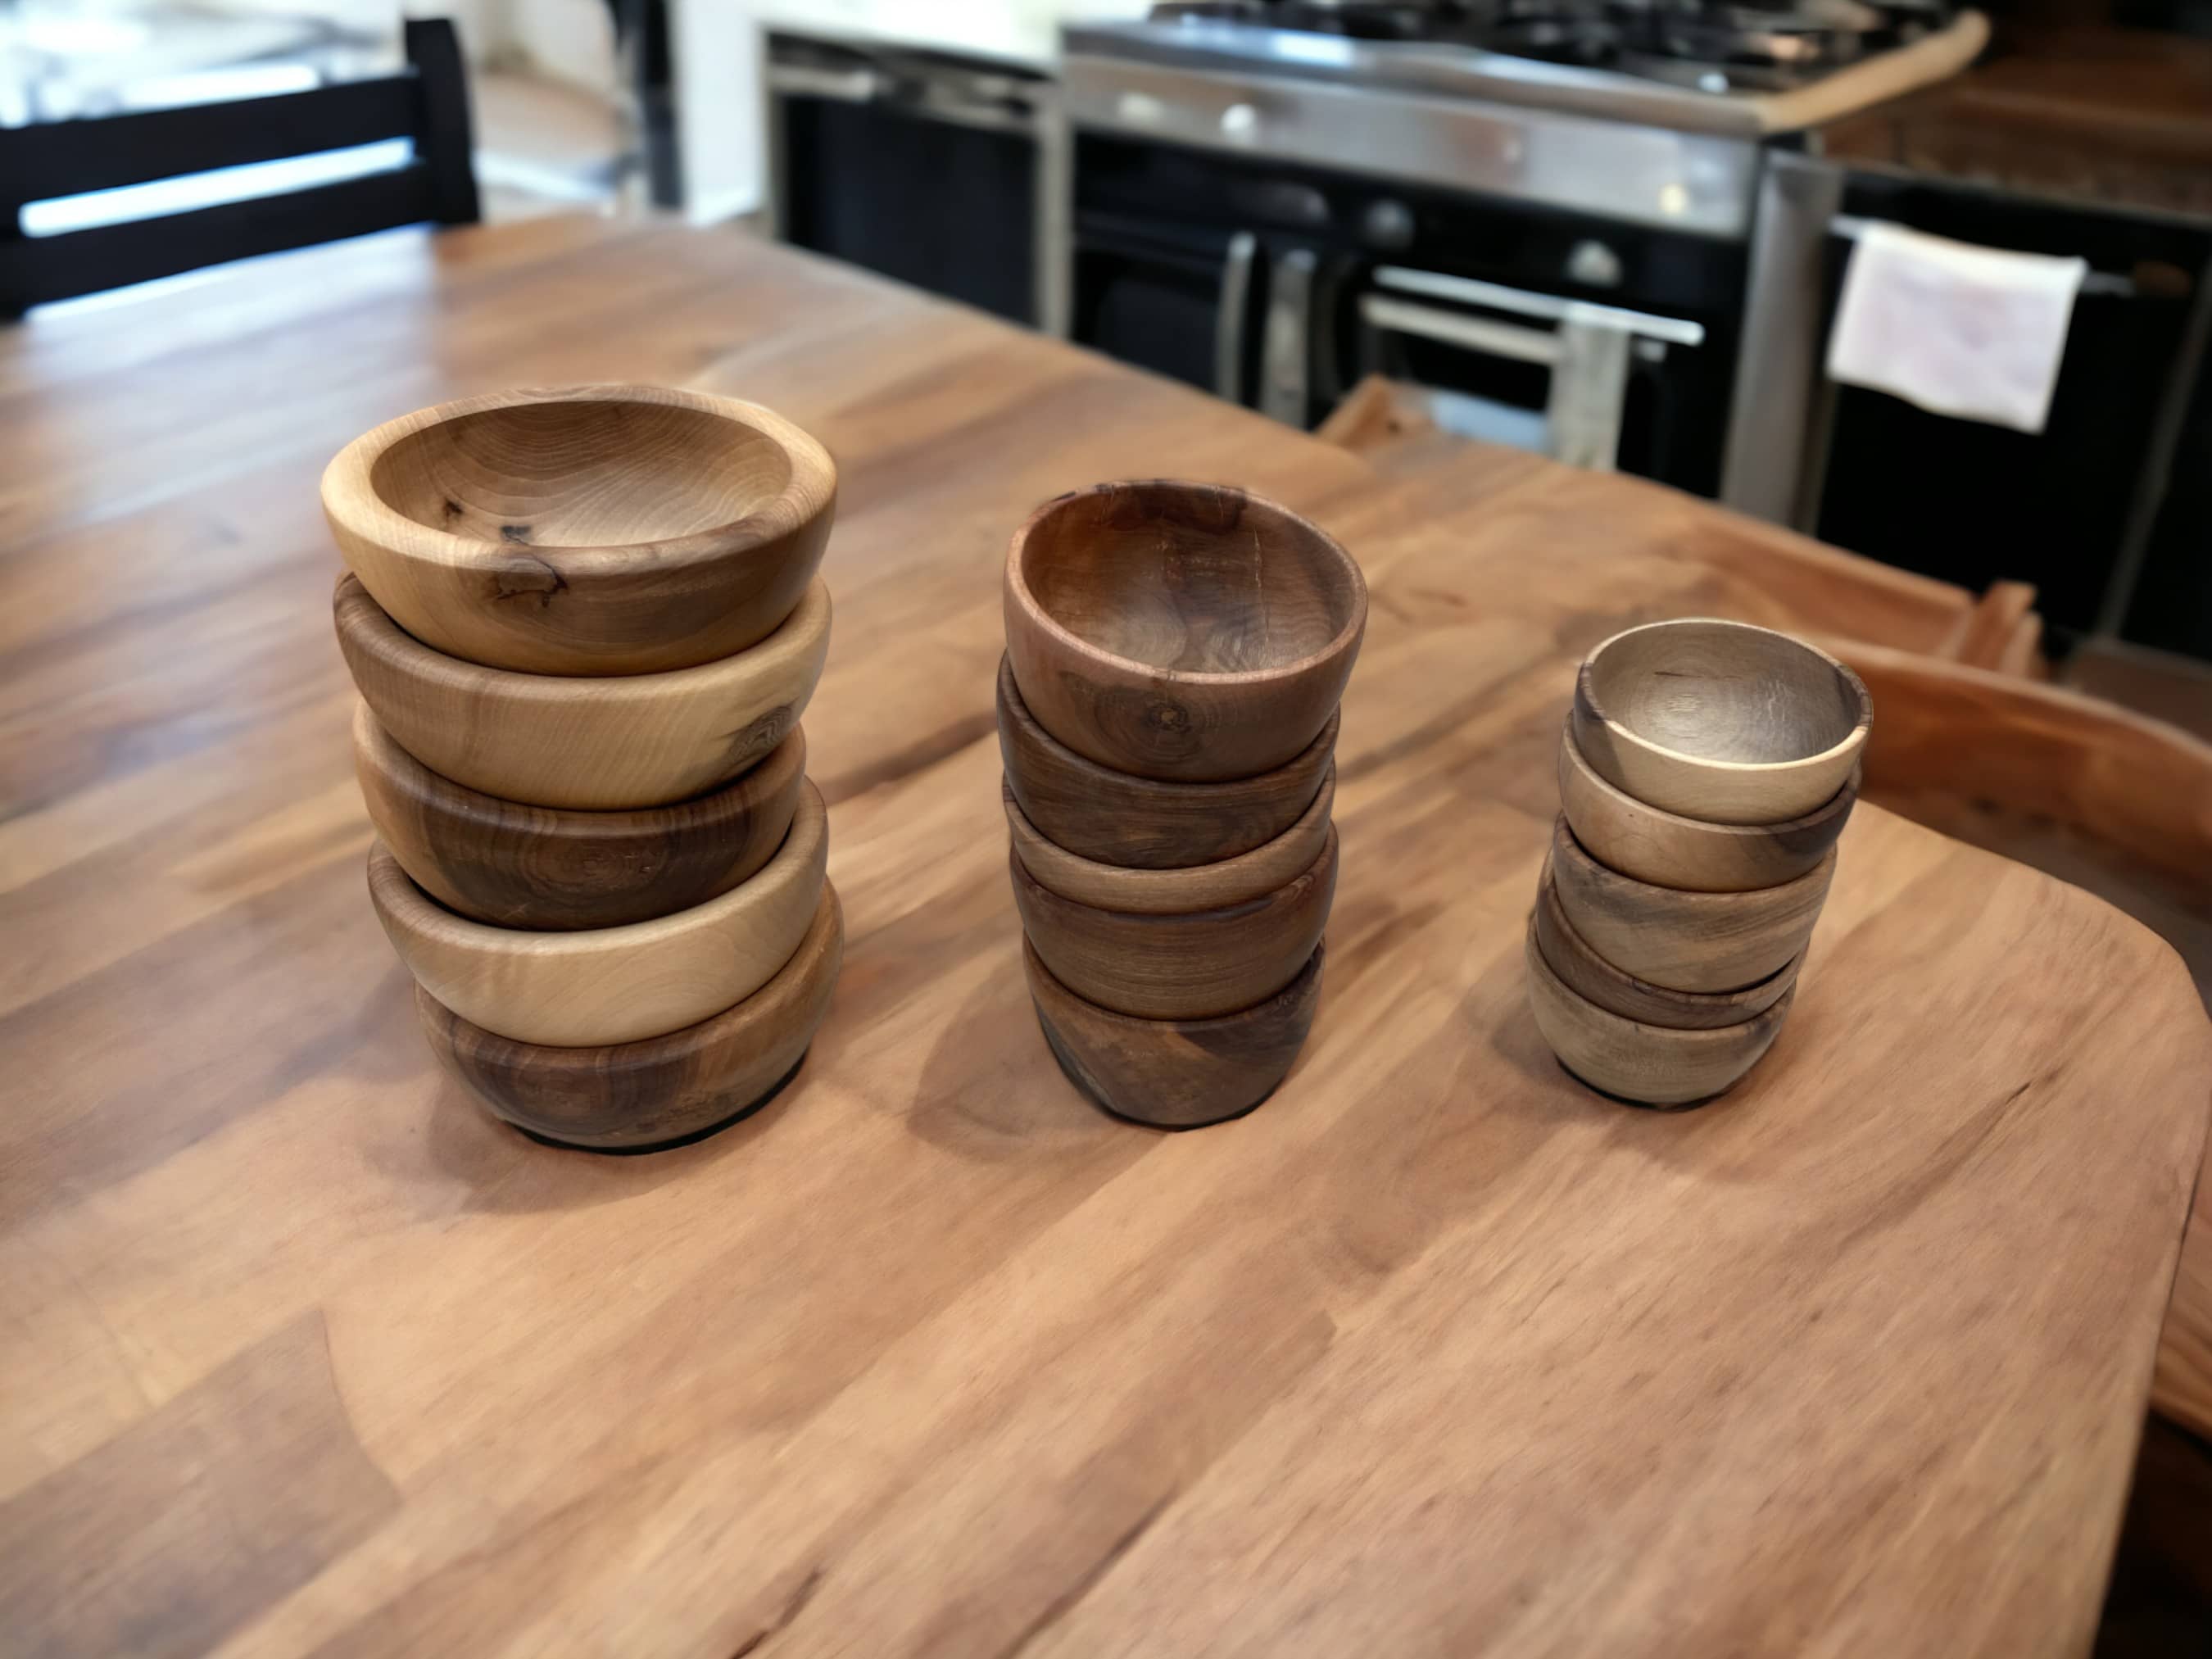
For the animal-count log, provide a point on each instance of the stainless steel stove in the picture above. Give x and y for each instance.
(1540, 209)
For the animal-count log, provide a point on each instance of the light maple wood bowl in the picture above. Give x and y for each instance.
(663, 1091)
(1172, 893)
(1682, 940)
(1195, 966)
(1181, 631)
(1594, 978)
(1649, 1064)
(602, 743)
(545, 867)
(1144, 824)
(1721, 720)
(610, 985)
(1641, 840)
(586, 530)
(1175, 1073)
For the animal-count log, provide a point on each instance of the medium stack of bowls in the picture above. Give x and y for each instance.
(1705, 773)
(584, 624)
(1168, 716)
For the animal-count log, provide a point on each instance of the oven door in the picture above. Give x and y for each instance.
(1175, 300)
(1595, 385)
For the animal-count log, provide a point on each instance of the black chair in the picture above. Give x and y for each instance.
(428, 102)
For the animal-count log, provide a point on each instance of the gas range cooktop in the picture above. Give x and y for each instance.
(1711, 45)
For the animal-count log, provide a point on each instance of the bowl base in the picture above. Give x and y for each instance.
(669, 1145)
(1133, 1112)
(1647, 1105)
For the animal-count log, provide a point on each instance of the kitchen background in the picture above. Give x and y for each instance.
(1660, 237)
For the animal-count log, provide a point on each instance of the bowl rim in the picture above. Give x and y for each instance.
(374, 631)
(1327, 857)
(1852, 741)
(1548, 899)
(1566, 843)
(1844, 799)
(810, 830)
(1686, 1037)
(351, 498)
(1170, 877)
(1342, 640)
(1034, 962)
(375, 746)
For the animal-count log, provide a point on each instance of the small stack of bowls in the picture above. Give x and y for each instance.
(1176, 654)
(584, 624)
(1706, 771)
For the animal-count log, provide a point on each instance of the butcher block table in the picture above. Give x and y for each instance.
(1436, 1353)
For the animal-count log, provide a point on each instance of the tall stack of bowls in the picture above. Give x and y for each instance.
(1176, 654)
(583, 623)
(1706, 771)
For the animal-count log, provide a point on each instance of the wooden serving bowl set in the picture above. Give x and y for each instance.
(1167, 705)
(584, 624)
(1706, 771)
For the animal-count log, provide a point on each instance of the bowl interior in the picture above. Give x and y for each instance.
(1197, 578)
(1721, 692)
(595, 472)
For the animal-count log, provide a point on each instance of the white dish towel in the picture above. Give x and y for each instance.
(1974, 333)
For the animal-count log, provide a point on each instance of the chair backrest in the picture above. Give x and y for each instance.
(427, 102)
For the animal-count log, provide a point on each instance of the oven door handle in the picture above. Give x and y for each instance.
(853, 86)
(1232, 317)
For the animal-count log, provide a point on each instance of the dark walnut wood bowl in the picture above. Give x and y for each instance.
(1669, 850)
(588, 530)
(1686, 941)
(1175, 1073)
(634, 1096)
(609, 742)
(1198, 966)
(513, 866)
(1594, 978)
(1143, 824)
(1721, 720)
(1183, 631)
(1648, 1064)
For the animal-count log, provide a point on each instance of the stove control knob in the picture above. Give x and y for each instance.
(1593, 264)
(1388, 224)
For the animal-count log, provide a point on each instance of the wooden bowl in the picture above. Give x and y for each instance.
(1682, 940)
(1181, 631)
(600, 744)
(588, 530)
(610, 984)
(1142, 823)
(1594, 978)
(513, 866)
(1173, 892)
(1669, 850)
(638, 1097)
(1720, 720)
(1197, 966)
(1652, 1064)
(1175, 1073)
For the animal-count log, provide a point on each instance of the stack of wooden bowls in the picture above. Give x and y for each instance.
(1704, 776)
(584, 624)
(1168, 716)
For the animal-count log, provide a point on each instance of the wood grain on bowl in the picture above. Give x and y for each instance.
(601, 743)
(1669, 850)
(516, 865)
(586, 530)
(610, 984)
(1183, 631)
(1172, 893)
(1720, 720)
(633, 1095)
(1683, 941)
(1591, 977)
(1144, 824)
(1649, 1064)
(1189, 967)
(1175, 1073)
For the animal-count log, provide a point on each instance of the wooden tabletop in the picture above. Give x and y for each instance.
(1436, 1353)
